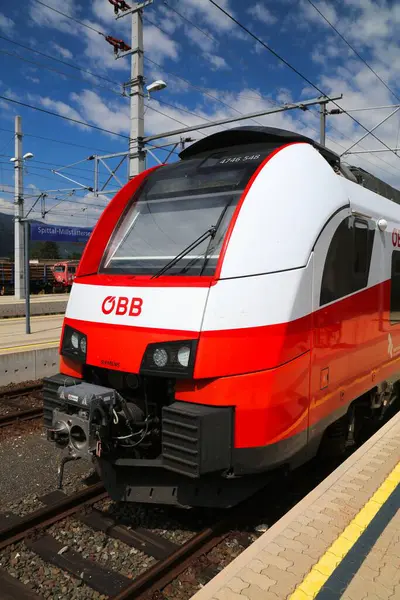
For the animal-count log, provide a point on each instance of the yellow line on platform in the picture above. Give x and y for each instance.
(328, 563)
(13, 348)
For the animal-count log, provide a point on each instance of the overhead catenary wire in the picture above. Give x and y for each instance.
(84, 123)
(67, 16)
(54, 114)
(47, 139)
(63, 62)
(195, 87)
(211, 37)
(63, 73)
(295, 70)
(353, 49)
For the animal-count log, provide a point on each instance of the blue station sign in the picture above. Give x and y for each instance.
(58, 233)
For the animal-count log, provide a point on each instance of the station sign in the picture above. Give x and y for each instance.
(58, 233)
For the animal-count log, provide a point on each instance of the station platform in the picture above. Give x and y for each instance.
(340, 541)
(46, 304)
(29, 357)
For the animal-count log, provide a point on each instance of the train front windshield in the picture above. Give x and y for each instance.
(176, 206)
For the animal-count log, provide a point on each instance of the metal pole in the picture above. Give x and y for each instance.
(19, 290)
(322, 116)
(297, 105)
(374, 151)
(27, 282)
(136, 148)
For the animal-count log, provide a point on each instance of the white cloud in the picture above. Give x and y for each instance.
(62, 108)
(158, 45)
(6, 206)
(33, 79)
(110, 115)
(214, 18)
(204, 42)
(64, 52)
(326, 9)
(261, 13)
(6, 24)
(217, 62)
(44, 17)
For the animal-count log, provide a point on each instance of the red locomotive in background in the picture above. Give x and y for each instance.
(46, 276)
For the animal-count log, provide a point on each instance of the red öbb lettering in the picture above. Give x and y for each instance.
(122, 306)
(108, 305)
(396, 238)
(136, 307)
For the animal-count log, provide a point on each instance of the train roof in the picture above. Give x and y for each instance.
(244, 136)
(249, 136)
(374, 184)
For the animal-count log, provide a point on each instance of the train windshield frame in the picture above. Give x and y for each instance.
(174, 207)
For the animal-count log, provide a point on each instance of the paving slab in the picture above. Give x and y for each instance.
(340, 541)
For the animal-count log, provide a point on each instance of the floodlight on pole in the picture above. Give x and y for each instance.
(156, 86)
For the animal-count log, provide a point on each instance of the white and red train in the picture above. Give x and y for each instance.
(233, 313)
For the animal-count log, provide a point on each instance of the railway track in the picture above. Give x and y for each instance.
(172, 559)
(8, 398)
(18, 391)
(40, 533)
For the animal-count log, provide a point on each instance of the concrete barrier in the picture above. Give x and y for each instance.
(18, 367)
(38, 307)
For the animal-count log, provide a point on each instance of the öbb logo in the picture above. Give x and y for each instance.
(122, 306)
(396, 238)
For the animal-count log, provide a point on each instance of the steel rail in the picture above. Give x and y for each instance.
(44, 517)
(18, 417)
(165, 571)
(22, 390)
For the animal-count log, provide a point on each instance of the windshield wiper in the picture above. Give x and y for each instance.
(209, 233)
(209, 248)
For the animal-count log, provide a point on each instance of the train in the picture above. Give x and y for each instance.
(45, 276)
(234, 315)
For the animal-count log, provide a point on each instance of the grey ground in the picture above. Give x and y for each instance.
(28, 465)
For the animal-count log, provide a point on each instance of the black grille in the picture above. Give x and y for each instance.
(50, 398)
(196, 439)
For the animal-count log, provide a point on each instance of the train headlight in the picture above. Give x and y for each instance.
(83, 344)
(169, 359)
(183, 356)
(160, 357)
(74, 344)
(75, 340)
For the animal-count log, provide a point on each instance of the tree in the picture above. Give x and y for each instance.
(46, 250)
(74, 255)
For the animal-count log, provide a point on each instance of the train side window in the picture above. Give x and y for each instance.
(361, 248)
(348, 260)
(338, 270)
(395, 289)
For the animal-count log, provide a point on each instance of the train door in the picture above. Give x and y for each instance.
(390, 298)
(333, 339)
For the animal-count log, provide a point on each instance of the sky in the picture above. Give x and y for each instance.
(213, 70)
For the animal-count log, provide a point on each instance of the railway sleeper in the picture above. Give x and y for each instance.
(142, 539)
(94, 575)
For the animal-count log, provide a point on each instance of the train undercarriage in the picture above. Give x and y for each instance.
(148, 447)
